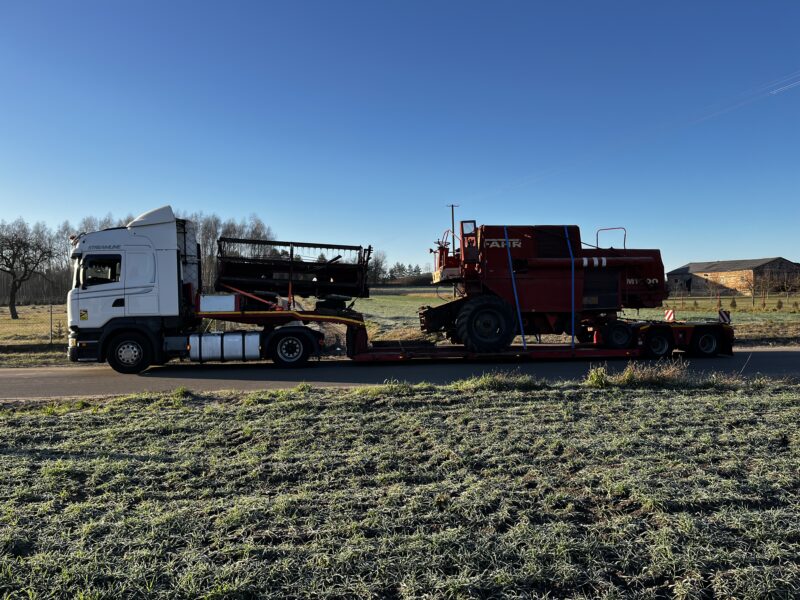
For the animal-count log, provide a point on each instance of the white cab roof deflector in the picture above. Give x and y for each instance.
(154, 217)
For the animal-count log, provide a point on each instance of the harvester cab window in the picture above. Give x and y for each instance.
(469, 241)
(101, 269)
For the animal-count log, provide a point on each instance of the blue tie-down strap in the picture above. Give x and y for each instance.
(514, 287)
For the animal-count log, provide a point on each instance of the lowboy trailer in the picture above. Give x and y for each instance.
(136, 300)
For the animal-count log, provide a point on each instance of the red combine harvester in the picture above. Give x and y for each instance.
(536, 280)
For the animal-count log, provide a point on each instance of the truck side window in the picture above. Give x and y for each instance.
(100, 269)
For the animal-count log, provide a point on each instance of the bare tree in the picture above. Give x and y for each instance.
(257, 230)
(88, 224)
(749, 283)
(62, 246)
(376, 272)
(123, 222)
(24, 252)
(106, 222)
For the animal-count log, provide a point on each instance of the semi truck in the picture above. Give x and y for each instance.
(138, 298)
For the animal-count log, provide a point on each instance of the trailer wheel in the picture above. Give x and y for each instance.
(705, 343)
(618, 335)
(290, 350)
(485, 324)
(129, 353)
(658, 343)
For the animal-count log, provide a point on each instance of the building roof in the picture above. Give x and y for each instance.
(722, 266)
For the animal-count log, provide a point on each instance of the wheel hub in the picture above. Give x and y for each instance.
(707, 343)
(659, 345)
(487, 325)
(290, 349)
(129, 353)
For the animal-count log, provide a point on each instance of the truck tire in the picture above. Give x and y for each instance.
(658, 343)
(618, 335)
(486, 324)
(290, 349)
(705, 343)
(129, 353)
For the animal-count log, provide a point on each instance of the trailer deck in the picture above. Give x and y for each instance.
(409, 352)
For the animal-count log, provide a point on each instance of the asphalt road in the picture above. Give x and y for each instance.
(100, 380)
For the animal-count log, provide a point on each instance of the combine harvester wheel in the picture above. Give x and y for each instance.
(486, 324)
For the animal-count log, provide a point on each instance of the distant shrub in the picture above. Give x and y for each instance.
(695, 304)
(795, 305)
(181, 393)
(779, 304)
(598, 378)
(733, 302)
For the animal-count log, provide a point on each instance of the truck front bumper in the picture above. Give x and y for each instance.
(83, 347)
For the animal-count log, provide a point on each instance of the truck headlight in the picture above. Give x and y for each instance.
(72, 342)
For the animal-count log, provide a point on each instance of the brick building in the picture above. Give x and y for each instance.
(729, 277)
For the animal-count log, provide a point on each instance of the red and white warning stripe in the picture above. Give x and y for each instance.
(601, 261)
(669, 315)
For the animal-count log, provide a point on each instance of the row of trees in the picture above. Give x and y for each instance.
(35, 263)
(380, 272)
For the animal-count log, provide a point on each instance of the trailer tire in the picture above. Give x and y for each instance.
(290, 349)
(618, 335)
(129, 353)
(485, 324)
(658, 343)
(705, 343)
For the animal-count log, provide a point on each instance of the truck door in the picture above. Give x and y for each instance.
(141, 287)
(102, 289)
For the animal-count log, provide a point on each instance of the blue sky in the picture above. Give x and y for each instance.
(357, 122)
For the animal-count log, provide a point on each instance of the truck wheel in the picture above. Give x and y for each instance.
(658, 343)
(618, 335)
(129, 353)
(485, 324)
(705, 343)
(290, 350)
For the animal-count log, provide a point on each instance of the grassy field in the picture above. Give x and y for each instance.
(492, 487)
(26, 341)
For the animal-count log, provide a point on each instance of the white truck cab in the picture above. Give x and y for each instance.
(140, 277)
